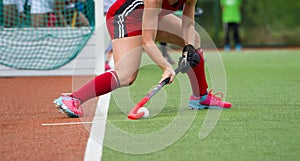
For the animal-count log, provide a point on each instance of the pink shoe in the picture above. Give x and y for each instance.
(69, 105)
(208, 101)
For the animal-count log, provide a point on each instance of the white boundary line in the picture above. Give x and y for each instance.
(94, 145)
(67, 123)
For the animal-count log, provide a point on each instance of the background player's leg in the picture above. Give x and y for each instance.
(227, 37)
(9, 16)
(163, 49)
(39, 20)
(236, 36)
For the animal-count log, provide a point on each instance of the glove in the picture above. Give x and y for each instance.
(190, 58)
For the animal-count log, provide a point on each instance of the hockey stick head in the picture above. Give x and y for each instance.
(133, 114)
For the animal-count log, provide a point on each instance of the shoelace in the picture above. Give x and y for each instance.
(214, 96)
(76, 103)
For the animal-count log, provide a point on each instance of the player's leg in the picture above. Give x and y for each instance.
(173, 35)
(9, 13)
(236, 36)
(127, 54)
(83, 21)
(127, 47)
(200, 97)
(163, 49)
(108, 55)
(56, 7)
(39, 13)
(127, 57)
(39, 20)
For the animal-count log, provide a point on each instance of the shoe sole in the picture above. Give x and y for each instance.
(63, 109)
(196, 107)
(202, 107)
(57, 105)
(208, 107)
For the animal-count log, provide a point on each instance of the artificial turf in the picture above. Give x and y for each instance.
(263, 123)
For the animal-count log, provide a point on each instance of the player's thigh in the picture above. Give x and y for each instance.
(170, 30)
(127, 58)
(83, 20)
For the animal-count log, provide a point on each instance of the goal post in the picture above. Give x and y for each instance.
(99, 34)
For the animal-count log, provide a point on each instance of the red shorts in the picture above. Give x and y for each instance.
(124, 19)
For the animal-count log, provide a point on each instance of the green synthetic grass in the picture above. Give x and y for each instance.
(263, 124)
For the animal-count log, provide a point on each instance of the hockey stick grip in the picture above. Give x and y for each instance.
(167, 80)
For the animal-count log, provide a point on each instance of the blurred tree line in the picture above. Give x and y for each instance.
(264, 22)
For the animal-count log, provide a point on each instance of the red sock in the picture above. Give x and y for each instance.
(197, 77)
(98, 86)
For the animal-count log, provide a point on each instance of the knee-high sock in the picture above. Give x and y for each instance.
(98, 86)
(197, 77)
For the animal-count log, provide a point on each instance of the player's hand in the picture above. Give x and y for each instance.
(168, 73)
(188, 59)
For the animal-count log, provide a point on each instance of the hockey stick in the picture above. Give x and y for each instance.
(184, 63)
(133, 115)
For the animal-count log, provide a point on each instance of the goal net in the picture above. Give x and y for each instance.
(43, 34)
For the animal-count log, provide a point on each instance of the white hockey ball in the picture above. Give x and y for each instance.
(145, 110)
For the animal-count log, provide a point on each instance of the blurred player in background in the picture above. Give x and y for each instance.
(164, 51)
(109, 50)
(231, 16)
(9, 13)
(13, 12)
(47, 13)
(134, 26)
(73, 13)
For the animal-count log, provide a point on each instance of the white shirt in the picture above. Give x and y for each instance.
(107, 4)
(42, 6)
(19, 3)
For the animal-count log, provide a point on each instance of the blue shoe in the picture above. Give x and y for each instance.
(194, 103)
(69, 105)
(58, 103)
(227, 47)
(238, 47)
